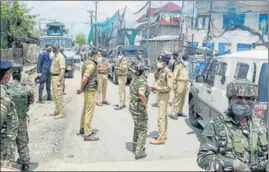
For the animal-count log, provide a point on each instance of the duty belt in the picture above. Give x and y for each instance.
(54, 74)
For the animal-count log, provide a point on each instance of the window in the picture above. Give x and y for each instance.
(212, 73)
(202, 22)
(222, 69)
(263, 84)
(243, 47)
(241, 71)
(263, 23)
(231, 19)
(209, 45)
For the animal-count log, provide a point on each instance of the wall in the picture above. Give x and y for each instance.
(155, 48)
(234, 37)
(168, 30)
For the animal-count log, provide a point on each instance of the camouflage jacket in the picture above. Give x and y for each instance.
(225, 139)
(140, 84)
(9, 118)
(21, 96)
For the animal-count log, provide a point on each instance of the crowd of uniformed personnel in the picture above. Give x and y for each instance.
(226, 145)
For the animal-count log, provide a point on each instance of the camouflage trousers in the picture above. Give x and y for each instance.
(8, 142)
(22, 142)
(140, 118)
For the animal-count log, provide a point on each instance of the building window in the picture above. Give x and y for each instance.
(244, 47)
(210, 78)
(209, 45)
(202, 22)
(263, 23)
(232, 19)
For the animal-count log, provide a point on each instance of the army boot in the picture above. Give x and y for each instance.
(137, 157)
(90, 138)
(25, 167)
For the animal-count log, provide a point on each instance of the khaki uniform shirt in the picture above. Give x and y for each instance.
(89, 70)
(58, 63)
(123, 65)
(180, 73)
(102, 67)
(165, 81)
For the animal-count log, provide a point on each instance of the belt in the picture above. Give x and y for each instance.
(54, 74)
(180, 80)
(163, 92)
(122, 75)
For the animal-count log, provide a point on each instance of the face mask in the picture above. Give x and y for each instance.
(241, 109)
(120, 57)
(52, 55)
(99, 59)
(159, 65)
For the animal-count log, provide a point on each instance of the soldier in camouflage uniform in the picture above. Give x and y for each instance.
(236, 140)
(137, 62)
(139, 92)
(22, 97)
(9, 119)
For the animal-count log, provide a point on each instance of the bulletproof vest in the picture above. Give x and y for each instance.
(20, 96)
(134, 89)
(239, 144)
(92, 83)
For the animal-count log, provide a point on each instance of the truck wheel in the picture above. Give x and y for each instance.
(115, 78)
(193, 116)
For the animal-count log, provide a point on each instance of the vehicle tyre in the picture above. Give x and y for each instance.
(114, 77)
(193, 116)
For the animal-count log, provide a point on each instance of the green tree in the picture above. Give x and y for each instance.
(80, 39)
(16, 22)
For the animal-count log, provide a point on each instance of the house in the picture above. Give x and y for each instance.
(235, 25)
(163, 30)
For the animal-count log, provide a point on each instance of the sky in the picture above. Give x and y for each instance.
(75, 12)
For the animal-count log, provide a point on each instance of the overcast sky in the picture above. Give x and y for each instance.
(70, 12)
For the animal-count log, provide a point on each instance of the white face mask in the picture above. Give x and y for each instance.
(99, 59)
(159, 65)
(120, 57)
(52, 55)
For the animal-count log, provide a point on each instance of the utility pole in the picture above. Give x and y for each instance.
(95, 40)
(208, 27)
(181, 37)
(148, 30)
(91, 15)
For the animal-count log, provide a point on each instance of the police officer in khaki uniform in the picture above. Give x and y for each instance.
(180, 86)
(89, 86)
(102, 69)
(157, 73)
(58, 67)
(163, 86)
(122, 71)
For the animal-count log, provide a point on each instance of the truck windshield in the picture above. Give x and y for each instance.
(63, 42)
(263, 84)
(132, 53)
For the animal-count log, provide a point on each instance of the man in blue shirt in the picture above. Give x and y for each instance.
(43, 70)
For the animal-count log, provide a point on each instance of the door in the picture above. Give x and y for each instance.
(205, 102)
(218, 91)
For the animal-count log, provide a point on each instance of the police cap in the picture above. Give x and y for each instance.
(165, 58)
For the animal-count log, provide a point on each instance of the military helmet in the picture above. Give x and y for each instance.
(242, 88)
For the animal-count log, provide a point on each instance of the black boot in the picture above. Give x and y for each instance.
(25, 167)
(90, 138)
(81, 131)
(137, 157)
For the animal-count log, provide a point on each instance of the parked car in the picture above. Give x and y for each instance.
(130, 54)
(207, 94)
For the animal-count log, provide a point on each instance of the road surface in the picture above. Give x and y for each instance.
(115, 130)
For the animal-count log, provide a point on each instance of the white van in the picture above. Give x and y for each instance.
(207, 95)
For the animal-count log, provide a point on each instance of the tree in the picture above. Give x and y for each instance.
(80, 39)
(16, 23)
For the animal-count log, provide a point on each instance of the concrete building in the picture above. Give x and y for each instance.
(251, 16)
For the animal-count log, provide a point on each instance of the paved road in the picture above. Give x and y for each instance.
(115, 130)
